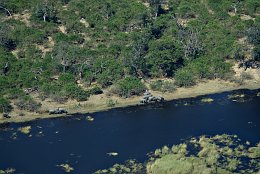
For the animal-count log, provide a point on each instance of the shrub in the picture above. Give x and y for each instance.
(75, 92)
(5, 105)
(28, 104)
(168, 86)
(95, 90)
(246, 76)
(15, 93)
(184, 77)
(66, 78)
(156, 85)
(111, 103)
(163, 86)
(129, 86)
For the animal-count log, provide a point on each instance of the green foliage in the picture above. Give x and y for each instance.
(111, 103)
(184, 77)
(28, 104)
(163, 86)
(95, 90)
(75, 92)
(66, 78)
(163, 56)
(106, 41)
(129, 86)
(5, 105)
(46, 10)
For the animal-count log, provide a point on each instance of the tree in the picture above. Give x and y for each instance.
(47, 11)
(5, 37)
(163, 56)
(63, 55)
(253, 34)
(129, 86)
(136, 60)
(192, 45)
(155, 4)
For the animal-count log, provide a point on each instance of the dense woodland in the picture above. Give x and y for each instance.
(71, 49)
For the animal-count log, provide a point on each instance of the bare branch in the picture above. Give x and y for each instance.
(9, 13)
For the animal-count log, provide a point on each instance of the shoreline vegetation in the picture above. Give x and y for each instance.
(103, 102)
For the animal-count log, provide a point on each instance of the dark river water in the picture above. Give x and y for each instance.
(131, 132)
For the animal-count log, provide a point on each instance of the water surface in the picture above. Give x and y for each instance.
(132, 132)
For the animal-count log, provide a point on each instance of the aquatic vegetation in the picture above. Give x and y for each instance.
(89, 118)
(239, 97)
(7, 171)
(254, 152)
(207, 100)
(14, 136)
(66, 167)
(25, 130)
(112, 153)
(217, 154)
(258, 94)
(129, 167)
(234, 96)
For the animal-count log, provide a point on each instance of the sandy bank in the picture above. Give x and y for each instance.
(99, 102)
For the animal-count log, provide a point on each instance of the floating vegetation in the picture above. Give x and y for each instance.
(89, 118)
(217, 154)
(129, 167)
(254, 152)
(7, 171)
(239, 97)
(25, 130)
(14, 136)
(258, 94)
(207, 100)
(112, 153)
(66, 167)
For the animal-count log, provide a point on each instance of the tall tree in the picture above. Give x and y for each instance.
(46, 10)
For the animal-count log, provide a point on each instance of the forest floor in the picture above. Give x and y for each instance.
(100, 102)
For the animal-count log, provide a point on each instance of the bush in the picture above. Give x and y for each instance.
(163, 86)
(156, 85)
(246, 76)
(184, 78)
(28, 104)
(75, 92)
(66, 78)
(95, 91)
(15, 93)
(129, 86)
(5, 105)
(111, 103)
(168, 87)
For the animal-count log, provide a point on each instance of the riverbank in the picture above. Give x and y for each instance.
(101, 102)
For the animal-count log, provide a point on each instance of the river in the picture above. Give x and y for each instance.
(132, 132)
